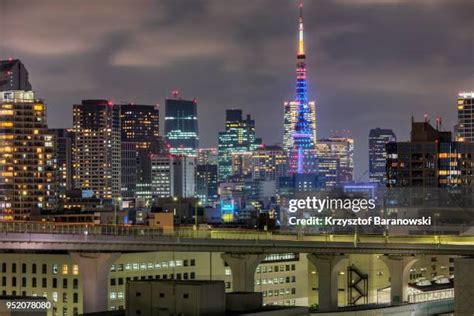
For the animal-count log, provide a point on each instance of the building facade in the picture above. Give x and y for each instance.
(63, 142)
(173, 176)
(207, 156)
(206, 184)
(430, 159)
(378, 140)
(13, 76)
(140, 137)
(269, 163)
(181, 126)
(97, 149)
(26, 150)
(336, 160)
(465, 125)
(238, 137)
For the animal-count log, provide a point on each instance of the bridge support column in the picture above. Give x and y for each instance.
(463, 289)
(328, 267)
(243, 268)
(399, 267)
(94, 271)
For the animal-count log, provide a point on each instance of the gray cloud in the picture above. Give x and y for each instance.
(370, 62)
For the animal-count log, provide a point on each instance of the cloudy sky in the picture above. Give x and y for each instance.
(371, 63)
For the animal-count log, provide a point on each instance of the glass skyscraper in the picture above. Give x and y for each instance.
(181, 126)
(238, 137)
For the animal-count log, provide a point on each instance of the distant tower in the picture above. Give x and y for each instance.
(302, 124)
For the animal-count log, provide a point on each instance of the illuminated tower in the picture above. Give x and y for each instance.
(301, 119)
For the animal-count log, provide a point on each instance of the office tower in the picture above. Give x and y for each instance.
(430, 159)
(269, 163)
(206, 184)
(378, 140)
(465, 126)
(173, 176)
(162, 175)
(139, 138)
(207, 156)
(238, 137)
(302, 157)
(139, 123)
(26, 151)
(336, 160)
(181, 126)
(13, 76)
(97, 150)
(63, 175)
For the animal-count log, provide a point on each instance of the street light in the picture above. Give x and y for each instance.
(196, 214)
(115, 212)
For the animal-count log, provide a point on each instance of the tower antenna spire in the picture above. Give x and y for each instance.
(301, 30)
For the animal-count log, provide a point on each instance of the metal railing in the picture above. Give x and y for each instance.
(26, 227)
(431, 296)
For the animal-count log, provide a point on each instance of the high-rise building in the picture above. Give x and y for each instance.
(63, 142)
(378, 140)
(269, 163)
(139, 139)
(301, 152)
(336, 160)
(238, 137)
(13, 76)
(139, 123)
(26, 155)
(465, 126)
(181, 126)
(97, 150)
(207, 156)
(173, 176)
(206, 184)
(430, 159)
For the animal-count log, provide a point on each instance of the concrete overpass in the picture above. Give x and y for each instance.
(95, 248)
(37, 237)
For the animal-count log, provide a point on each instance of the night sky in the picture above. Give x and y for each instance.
(371, 63)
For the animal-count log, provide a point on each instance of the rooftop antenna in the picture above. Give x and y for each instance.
(175, 93)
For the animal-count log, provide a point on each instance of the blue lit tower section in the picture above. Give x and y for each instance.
(302, 155)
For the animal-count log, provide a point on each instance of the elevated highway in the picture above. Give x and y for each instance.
(37, 237)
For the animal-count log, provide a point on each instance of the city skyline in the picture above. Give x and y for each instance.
(363, 63)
